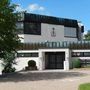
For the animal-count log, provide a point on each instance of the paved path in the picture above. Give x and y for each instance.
(47, 80)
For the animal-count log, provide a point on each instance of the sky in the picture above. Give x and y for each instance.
(73, 9)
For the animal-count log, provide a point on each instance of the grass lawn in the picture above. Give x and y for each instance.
(85, 86)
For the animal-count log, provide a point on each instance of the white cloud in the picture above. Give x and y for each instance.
(35, 7)
(42, 8)
(19, 8)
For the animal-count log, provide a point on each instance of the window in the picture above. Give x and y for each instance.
(77, 54)
(87, 54)
(80, 54)
(32, 28)
(70, 32)
(20, 27)
(27, 54)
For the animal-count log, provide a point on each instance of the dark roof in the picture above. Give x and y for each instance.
(50, 19)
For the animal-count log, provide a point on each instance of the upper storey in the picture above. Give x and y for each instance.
(40, 28)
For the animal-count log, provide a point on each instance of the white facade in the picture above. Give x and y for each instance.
(22, 62)
(46, 34)
(49, 33)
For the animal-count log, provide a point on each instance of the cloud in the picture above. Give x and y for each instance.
(35, 7)
(19, 8)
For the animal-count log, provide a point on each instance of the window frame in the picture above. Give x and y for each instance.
(68, 29)
(28, 54)
(35, 31)
(82, 54)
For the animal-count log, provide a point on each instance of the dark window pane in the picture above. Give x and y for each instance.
(32, 28)
(27, 54)
(80, 54)
(77, 54)
(86, 53)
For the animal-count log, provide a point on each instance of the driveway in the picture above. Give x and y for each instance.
(46, 80)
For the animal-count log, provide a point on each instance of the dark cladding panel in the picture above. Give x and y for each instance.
(82, 29)
(50, 19)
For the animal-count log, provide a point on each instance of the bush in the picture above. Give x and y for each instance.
(8, 62)
(76, 63)
(8, 70)
(31, 63)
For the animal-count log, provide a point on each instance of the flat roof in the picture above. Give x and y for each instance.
(29, 17)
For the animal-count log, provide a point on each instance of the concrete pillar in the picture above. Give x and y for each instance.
(41, 61)
(66, 62)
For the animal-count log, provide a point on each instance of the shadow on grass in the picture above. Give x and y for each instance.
(36, 76)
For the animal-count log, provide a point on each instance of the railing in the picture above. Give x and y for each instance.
(64, 44)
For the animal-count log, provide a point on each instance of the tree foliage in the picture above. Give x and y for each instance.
(9, 40)
(87, 36)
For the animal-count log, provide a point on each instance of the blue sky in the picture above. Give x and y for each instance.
(75, 9)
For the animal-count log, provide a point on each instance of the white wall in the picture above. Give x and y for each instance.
(22, 62)
(46, 30)
(42, 58)
(82, 58)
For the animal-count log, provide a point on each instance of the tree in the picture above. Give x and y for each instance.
(87, 36)
(9, 40)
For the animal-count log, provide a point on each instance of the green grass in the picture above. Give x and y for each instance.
(85, 86)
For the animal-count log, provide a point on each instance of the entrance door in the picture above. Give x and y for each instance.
(54, 60)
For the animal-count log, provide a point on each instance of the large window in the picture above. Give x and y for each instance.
(70, 32)
(80, 54)
(32, 28)
(27, 54)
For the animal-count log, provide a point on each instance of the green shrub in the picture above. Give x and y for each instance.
(8, 70)
(31, 63)
(76, 63)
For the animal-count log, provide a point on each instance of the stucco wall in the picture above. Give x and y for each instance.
(22, 62)
(46, 30)
(66, 61)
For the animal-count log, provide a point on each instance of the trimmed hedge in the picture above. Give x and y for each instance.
(76, 63)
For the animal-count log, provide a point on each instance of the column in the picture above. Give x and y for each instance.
(66, 62)
(41, 60)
